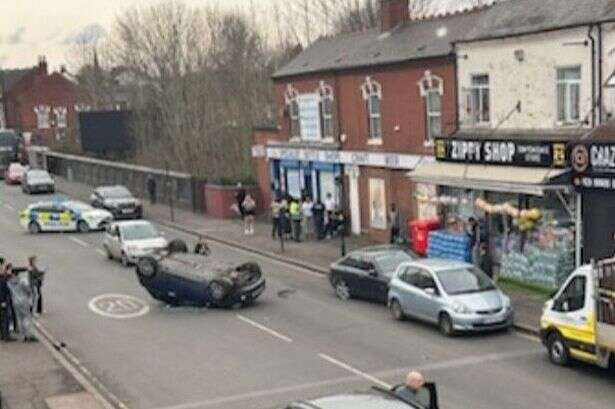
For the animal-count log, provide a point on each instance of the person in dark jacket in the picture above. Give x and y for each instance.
(5, 298)
(36, 279)
(201, 247)
(151, 188)
(240, 196)
(318, 216)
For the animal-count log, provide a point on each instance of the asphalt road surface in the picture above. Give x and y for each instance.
(297, 342)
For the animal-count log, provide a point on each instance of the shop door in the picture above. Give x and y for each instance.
(327, 185)
(293, 183)
(598, 225)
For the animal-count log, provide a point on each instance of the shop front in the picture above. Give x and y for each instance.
(518, 194)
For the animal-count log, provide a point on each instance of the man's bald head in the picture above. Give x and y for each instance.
(415, 380)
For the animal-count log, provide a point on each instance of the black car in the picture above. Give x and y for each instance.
(181, 278)
(366, 273)
(118, 200)
(398, 397)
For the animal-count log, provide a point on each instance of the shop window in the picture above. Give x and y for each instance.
(432, 88)
(292, 105)
(372, 94)
(479, 108)
(60, 115)
(568, 94)
(377, 204)
(326, 110)
(42, 116)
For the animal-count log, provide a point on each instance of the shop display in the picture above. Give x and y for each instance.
(448, 245)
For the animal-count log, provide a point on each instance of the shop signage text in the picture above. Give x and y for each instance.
(593, 166)
(502, 152)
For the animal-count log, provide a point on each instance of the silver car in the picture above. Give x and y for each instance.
(130, 240)
(454, 295)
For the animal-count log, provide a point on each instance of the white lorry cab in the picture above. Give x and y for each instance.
(579, 321)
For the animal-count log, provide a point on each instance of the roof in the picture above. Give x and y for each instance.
(517, 17)
(550, 134)
(8, 78)
(412, 40)
(360, 400)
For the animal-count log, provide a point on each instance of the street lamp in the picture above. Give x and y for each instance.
(340, 184)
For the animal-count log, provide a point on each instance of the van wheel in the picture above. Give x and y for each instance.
(445, 324)
(83, 227)
(396, 311)
(558, 351)
(34, 228)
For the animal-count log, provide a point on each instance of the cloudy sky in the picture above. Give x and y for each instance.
(29, 28)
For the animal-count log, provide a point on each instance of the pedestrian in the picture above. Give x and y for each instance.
(415, 390)
(295, 216)
(249, 212)
(5, 297)
(22, 296)
(151, 188)
(276, 207)
(201, 247)
(240, 196)
(36, 279)
(473, 233)
(318, 215)
(395, 223)
(306, 213)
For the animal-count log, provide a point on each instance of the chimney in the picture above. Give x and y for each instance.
(41, 68)
(393, 13)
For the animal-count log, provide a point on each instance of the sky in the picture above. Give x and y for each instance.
(29, 28)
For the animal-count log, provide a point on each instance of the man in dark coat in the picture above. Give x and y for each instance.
(5, 297)
(151, 188)
(318, 215)
(240, 196)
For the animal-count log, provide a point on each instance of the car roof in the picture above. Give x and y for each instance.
(111, 187)
(438, 264)
(130, 223)
(39, 171)
(359, 400)
(378, 250)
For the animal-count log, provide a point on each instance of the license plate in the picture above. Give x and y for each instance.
(489, 321)
(126, 211)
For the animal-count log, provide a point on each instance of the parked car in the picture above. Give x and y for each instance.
(454, 295)
(118, 200)
(37, 181)
(130, 240)
(397, 397)
(181, 278)
(366, 273)
(63, 216)
(14, 173)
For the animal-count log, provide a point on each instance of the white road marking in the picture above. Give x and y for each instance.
(355, 371)
(101, 252)
(264, 328)
(118, 306)
(79, 242)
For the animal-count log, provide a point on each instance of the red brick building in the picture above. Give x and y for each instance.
(39, 104)
(367, 106)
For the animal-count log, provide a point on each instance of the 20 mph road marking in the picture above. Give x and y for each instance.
(79, 242)
(355, 371)
(264, 328)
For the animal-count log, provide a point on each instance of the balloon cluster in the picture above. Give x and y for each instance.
(527, 219)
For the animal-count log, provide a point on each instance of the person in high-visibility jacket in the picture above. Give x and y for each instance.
(295, 217)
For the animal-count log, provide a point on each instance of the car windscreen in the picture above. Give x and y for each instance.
(139, 232)
(78, 206)
(388, 262)
(115, 193)
(464, 280)
(39, 176)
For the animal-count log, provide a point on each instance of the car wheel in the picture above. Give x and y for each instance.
(558, 351)
(396, 311)
(341, 290)
(147, 267)
(219, 289)
(124, 260)
(83, 227)
(445, 324)
(34, 228)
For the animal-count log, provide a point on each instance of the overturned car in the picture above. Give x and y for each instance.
(178, 278)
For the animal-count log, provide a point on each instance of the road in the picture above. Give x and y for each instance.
(298, 341)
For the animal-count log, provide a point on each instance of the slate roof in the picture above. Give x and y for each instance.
(8, 78)
(515, 17)
(410, 41)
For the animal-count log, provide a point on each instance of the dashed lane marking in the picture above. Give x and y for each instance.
(79, 242)
(355, 371)
(264, 328)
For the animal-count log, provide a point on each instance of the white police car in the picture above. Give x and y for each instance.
(63, 216)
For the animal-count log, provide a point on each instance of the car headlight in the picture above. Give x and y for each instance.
(506, 302)
(460, 308)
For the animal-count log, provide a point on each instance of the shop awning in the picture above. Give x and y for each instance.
(526, 180)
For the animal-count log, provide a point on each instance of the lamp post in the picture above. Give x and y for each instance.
(170, 190)
(340, 184)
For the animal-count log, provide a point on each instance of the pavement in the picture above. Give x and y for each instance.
(297, 342)
(311, 254)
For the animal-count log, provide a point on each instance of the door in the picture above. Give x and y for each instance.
(415, 301)
(572, 314)
(374, 284)
(115, 245)
(68, 220)
(354, 199)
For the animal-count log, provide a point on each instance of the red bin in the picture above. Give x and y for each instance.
(419, 231)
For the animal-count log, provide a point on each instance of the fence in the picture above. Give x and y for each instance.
(186, 191)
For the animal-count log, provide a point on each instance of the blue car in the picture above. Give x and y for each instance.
(183, 279)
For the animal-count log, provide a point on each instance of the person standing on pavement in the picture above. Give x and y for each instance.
(249, 212)
(395, 223)
(21, 294)
(329, 215)
(276, 207)
(295, 217)
(473, 232)
(201, 247)
(318, 215)
(151, 188)
(36, 279)
(5, 299)
(306, 212)
(240, 196)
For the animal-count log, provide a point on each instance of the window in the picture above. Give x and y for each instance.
(568, 94)
(292, 104)
(60, 114)
(573, 296)
(372, 94)
(432, 89)
(42, 116)
(377, 204)
(326, 110)
(478, 103)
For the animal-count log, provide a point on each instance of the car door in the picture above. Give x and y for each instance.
(96, 200)
(408, 291)
(428, 298)
(115, 243)
(375, 284)
(67, 219)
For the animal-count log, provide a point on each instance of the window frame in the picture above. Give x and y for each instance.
(561, 297)
(568, 84)
(429, 136)
(43, 113)
(327, 127)
(372, 91)
(291, 98)
(478, 118)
